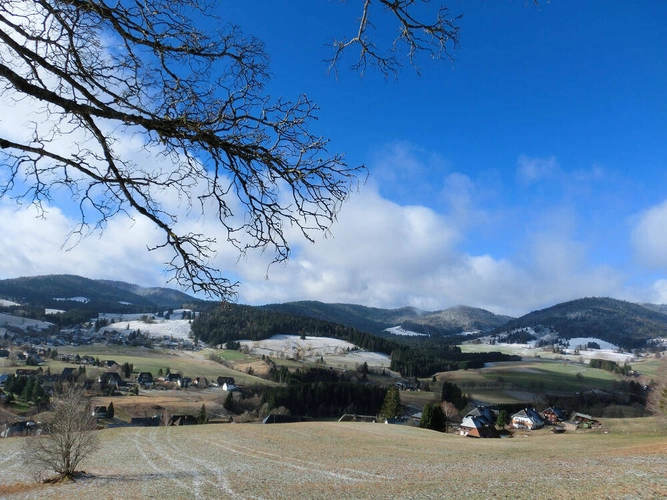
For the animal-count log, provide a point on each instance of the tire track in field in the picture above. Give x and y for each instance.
(144, 441)
(169, 446)
(305, 466)
(12, 464)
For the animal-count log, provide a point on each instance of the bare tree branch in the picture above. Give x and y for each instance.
(100, 74)
(437, 36)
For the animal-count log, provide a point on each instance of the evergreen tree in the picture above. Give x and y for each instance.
(110, 410)
(432, 417)
(202, 417)
(503, 419)
(28, 389)
(391, 406)
(452, 394)
(229, 402)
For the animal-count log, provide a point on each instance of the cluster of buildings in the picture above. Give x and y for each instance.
(481, 421)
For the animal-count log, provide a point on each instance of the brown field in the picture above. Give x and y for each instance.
(330, 460)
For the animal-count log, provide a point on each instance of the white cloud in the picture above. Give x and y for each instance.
(649, 237)
(34, 246)
(537, 169)
(387, 255)
(658, 292)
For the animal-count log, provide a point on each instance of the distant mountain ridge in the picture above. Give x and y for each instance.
(374, 320)
(51, 290)
(625, 324)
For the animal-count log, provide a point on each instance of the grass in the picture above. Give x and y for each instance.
(330, 460)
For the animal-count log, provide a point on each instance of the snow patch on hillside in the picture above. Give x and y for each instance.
(23, 323)
(83, 300)
(176, 328)
(582, 342)
(293, 346)
(8, 303)
(399, 330)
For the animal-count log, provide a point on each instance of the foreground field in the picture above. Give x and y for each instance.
(334, 460)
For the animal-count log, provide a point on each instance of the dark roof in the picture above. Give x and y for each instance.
(146, 421)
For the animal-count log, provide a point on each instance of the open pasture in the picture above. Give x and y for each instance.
(331, 460)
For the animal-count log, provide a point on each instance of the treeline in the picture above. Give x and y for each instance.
(610, 366)
(426, 361)
(326, 399)
(26, 389)
(231, 322)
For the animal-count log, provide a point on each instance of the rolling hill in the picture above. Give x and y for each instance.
(622, 323)
(58, 290)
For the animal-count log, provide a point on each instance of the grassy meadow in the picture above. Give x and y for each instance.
(331, 460)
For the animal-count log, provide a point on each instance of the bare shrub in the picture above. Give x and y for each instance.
(66, 441)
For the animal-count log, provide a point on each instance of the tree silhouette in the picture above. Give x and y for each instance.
(99, 76)
(391, 406)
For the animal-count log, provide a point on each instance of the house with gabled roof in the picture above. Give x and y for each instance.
(110, 379)
(583, 420)
(108, 363)
(553, 415)
(226, 383)
(145, 379)
(528, 418)
(486, 414)
(477, 426)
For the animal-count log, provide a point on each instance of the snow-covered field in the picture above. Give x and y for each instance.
(176, 328)
(332, 350)
(611, 354)
(9, 320)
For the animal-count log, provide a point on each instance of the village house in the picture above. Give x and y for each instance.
(200, 382)
(528, 418)
(100, 412)
(110, 379)
(553, 415)
(477, 426)
(154, 421)
(585, 421)
(485, 414)
(226, 383)
(145, 379)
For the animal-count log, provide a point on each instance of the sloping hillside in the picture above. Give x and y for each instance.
(622, 323)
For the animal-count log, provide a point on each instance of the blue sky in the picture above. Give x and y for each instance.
(529, 171)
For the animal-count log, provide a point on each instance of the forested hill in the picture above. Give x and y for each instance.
(373, 320)
(52, 291)
(228, 322)
(624, 324)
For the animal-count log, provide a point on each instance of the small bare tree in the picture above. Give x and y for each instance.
(67, 440)
(449, 411)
